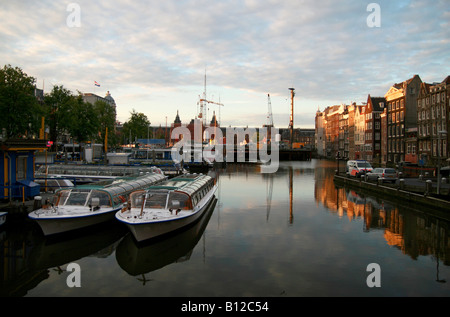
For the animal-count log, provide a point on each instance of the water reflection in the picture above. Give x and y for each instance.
(291, 233)
(139, 259)
(27, 256)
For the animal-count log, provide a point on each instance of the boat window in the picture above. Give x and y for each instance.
(194, 200)
(156, 200)
(137, 198)
(100, 198)
(62, 196)
(179, 201)
(76, 198)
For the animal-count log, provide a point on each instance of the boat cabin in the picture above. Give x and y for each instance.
(98, 196)
(179, 193)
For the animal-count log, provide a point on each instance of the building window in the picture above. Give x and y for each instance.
(444, 148)
(21, 167)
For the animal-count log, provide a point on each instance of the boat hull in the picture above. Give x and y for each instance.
(150, 230)
(57, 225)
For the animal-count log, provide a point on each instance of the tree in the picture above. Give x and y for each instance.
(84, 124)
(19, 108)
(58, 111)
(136, 127)
(106, 119)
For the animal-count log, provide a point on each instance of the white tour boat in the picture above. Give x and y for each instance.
(87, 205)
(167, 207)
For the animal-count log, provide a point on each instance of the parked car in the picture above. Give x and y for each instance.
(386, 174)
(357, 168)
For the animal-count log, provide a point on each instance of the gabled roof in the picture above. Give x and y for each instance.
(446, 80)
(377, 103)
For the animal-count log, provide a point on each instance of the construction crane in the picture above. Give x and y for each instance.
(269, 113)
(291, 121)
(269, 124)
(203, 105)
(202, 101)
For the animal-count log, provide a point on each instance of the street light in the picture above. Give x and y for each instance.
(148, 137)
(439, 161)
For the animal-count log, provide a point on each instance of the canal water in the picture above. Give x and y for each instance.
(288, 234)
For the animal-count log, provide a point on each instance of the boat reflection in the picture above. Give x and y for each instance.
(27, 256)
(100, 241)
(140, 258)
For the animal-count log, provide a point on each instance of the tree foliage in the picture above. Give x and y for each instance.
(137, 127)
(106, 119)
(19, 107)
(65, 114)
(58, 107)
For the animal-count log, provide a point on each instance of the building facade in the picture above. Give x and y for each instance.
(401, 102)
(320, 133)
(359, 132)
(373, 111)
(433, 106)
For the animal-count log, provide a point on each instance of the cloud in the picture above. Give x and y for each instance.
(323, 48)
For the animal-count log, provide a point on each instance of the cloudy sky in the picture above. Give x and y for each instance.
(153, 55)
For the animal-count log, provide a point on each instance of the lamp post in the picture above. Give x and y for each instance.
(439, 161)
(148, 137)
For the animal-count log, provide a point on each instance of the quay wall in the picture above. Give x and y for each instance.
(397, 194)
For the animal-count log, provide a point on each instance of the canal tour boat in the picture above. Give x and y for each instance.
(167, 207)
(88, 205)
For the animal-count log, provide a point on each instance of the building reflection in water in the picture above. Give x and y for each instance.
(413, 232)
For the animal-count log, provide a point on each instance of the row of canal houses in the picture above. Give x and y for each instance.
(409, 123)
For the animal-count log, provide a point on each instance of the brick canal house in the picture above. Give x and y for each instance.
(433, 105)
(401, 102)
(373, 110)
(410, 123)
